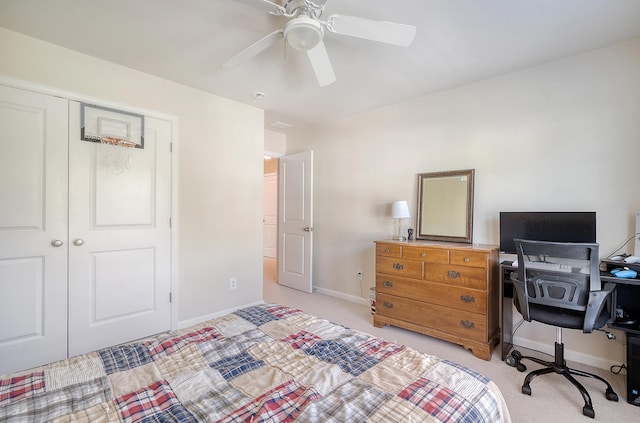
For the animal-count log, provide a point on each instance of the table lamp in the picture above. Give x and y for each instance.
(400, 210)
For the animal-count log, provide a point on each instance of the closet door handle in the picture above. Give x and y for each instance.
(57, 243)
(78, 241)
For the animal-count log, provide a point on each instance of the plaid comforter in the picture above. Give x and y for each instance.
(266, 363)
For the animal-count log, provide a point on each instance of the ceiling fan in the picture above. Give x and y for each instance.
(304, 31)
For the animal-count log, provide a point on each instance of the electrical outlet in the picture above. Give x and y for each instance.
(233, 283)
(359, 275)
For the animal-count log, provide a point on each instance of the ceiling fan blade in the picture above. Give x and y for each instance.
(266, 5)
(317, 3)
(321, 65)
(382, 31)
(255, 48)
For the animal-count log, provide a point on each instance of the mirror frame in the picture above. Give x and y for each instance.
(422, 177)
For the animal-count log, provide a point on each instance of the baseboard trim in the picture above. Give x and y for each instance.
(190, 322)
(341, 295)
(570, 355)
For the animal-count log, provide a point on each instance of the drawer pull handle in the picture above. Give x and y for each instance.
(453, 274)
(467, 298)
(466, 259)
(423, 254)
(467, 324)
(388, 284)
(387, 304)
(398, 266)
(387, 251)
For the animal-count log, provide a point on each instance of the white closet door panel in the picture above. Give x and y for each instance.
(127, 200)
(114, 296)
(33, 214)
(23, 279)
(22, 190)
(119, 274)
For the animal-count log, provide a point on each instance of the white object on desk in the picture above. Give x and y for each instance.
(544, 265)
(632, 259)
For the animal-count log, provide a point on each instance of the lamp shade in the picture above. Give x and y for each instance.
(400, 209)
(303, 33)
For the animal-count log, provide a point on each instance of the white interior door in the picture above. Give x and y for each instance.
(33, 229)
(119, 239)
(270, 219)
(295, 220)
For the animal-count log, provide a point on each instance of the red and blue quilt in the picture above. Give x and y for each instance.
(266, 363)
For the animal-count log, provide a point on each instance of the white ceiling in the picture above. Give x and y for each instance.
(457, 42)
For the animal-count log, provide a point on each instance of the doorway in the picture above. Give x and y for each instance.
(270, 221)
(270, 209)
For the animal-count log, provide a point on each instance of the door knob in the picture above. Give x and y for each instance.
(307, 229)
(56, 243)
(78, 242)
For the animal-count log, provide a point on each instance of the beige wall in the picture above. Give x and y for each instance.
(562, 136)
(275, 144)
(220, 167)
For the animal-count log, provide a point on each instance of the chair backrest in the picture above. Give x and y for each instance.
(558, 283)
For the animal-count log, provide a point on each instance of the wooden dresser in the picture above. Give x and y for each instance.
(446, 290)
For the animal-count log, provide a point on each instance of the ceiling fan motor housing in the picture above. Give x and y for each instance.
(303, 33)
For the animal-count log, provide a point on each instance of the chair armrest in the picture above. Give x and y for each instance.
(520, 298)
(597, 301)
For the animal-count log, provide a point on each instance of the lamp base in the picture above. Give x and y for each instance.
(399, 238)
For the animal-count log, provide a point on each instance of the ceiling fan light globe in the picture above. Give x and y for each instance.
(303, 33)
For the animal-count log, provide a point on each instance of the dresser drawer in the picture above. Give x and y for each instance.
(428, 255)
(399, 267)
(469, 258)
(444, 319)
(469, 277)
(435, 293)
(400, 287)
(464, 299)
(389, 250)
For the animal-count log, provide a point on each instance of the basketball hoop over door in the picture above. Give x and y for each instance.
(118, 133)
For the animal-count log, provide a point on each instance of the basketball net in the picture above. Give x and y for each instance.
(117, 153)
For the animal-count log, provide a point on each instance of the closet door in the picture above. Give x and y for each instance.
(33, 229)
(119, 238)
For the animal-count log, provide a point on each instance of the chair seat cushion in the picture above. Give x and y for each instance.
(564, 318)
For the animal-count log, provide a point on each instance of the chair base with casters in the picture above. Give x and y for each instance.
(559, 366)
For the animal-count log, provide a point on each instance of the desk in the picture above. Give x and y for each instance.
(627, 311)
(506, 308)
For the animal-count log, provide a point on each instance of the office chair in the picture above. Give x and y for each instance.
(559, 284)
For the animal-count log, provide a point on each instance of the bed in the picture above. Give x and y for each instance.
(265, 363)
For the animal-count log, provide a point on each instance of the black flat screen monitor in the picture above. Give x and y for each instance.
(546, 226)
